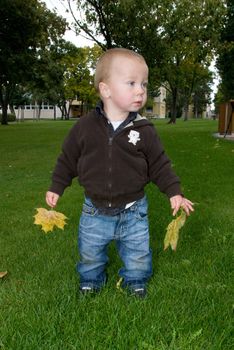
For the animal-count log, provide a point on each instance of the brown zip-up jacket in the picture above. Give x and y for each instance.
(114, 167)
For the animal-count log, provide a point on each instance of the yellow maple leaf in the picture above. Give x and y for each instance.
(172, 234)
(3, 274)
(48, 219)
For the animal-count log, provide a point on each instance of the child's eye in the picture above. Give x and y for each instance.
(144, 85)
(131, 83)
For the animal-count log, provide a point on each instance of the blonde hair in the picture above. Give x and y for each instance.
(103, 66)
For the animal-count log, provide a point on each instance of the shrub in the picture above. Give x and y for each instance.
(10, 117)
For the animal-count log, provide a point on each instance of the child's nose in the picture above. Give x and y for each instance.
(141, 89)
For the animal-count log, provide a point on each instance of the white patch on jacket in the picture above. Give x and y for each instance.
(134, 136)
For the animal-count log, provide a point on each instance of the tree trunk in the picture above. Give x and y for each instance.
(54, 112)
(64, 112)
(4, 113)
(82, 108)
(67, 116)
(39, 111)
(61, 110)
(174, 106)
(12, 110)
(186, 108)
(22, 113)
(4, 104)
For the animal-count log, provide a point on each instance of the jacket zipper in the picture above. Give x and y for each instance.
(110, 170)
(112, 133)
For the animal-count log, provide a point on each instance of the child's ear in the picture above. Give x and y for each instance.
(104, 90)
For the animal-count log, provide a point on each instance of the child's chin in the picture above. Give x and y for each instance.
(135, 109)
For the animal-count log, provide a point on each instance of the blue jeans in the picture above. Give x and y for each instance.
(129, 229)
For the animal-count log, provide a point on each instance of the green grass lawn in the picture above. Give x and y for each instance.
(190, 297)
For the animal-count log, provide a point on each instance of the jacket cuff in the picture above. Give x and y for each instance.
(57, 187)
(174, 190)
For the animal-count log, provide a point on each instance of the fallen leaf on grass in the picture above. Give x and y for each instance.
(172, 234)
(48, 219)
(118, 284)
(3, 274)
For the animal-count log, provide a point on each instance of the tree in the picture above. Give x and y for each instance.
(225, 62)
(49, 71)
(136, 29)
(78, 77)
(196, 87)
(62, 72)
(167, 33)
(189, 36)
(219, 98)
(201, 97)
(26, 26)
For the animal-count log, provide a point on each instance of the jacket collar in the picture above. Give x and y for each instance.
(100, 111)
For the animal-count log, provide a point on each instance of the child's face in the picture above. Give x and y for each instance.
(127, 85)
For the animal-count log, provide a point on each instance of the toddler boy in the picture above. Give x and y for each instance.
(115, 152)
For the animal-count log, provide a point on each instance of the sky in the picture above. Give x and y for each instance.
(60, 7)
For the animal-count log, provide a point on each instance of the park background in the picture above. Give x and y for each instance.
(190, 300)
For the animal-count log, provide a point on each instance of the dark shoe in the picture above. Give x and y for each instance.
(87, 290)
(138, 292)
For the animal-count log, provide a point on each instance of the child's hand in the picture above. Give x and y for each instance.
(178, 202)
(52, 199)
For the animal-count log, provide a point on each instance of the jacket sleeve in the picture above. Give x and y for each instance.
(66, 166)
(160, 170)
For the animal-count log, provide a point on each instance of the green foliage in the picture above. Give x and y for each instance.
(78, 77)
(25, 26)
(225, 61)
(10, 117)
(177, 38)
(48, 73)
(189, 36)
(63, 73)
(219, 98)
